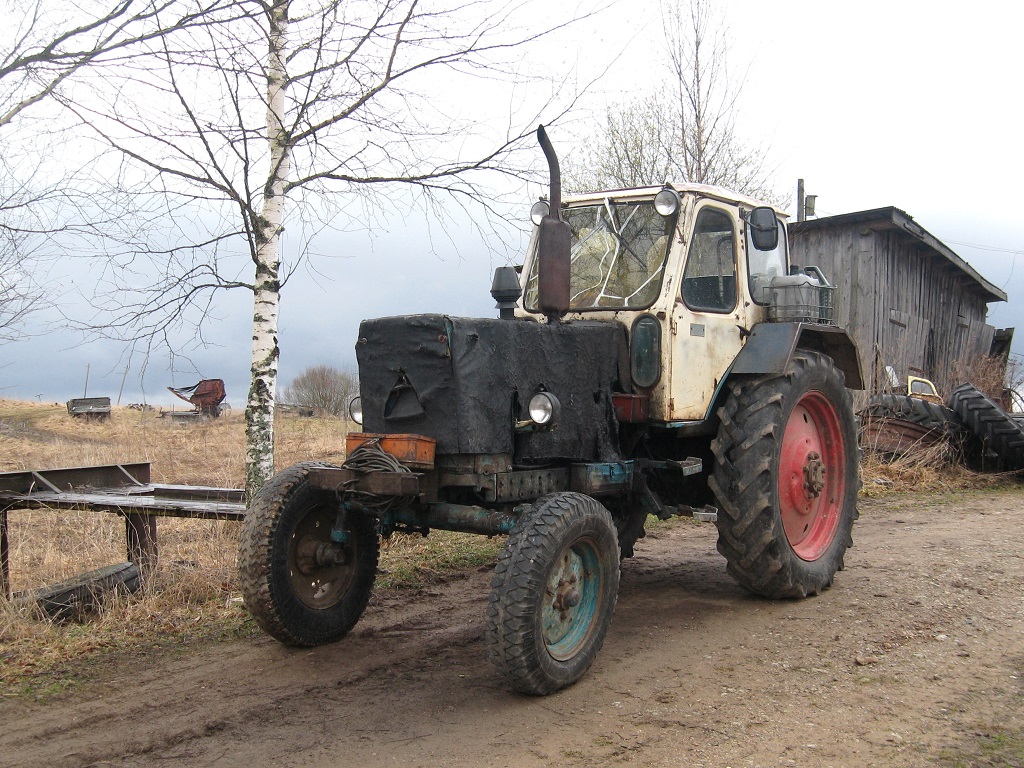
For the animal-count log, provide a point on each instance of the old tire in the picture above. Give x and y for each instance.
(929, 415)
(553, 594)
(996, 431)
(299, 586)
(786, 478)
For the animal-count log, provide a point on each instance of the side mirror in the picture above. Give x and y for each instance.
(764, 228)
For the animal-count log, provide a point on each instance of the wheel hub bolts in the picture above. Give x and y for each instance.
(814, 475)
(313, 555)
(567, 596)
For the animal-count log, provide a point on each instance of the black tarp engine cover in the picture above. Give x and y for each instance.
(465, 381)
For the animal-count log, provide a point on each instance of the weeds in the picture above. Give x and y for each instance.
(990, 375)
(996, 747)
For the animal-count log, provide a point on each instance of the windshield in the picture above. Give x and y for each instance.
(617, 253)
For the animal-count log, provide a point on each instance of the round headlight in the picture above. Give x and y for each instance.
(355, 410)
(539, 211)
(544, 408)
(666, 202)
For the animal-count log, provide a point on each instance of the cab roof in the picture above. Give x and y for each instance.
(699, 190)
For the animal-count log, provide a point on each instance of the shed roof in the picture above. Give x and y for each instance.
(893, 218)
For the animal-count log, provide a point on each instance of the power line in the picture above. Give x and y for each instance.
(1014, 251)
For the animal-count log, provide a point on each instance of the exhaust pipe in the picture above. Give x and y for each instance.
(552, 243)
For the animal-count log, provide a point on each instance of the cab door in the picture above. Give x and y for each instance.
(708, 312)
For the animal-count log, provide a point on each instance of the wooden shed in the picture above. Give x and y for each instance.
(906, 298)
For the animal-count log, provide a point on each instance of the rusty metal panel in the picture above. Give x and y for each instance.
(127, 477)
(117, 488)
(598, 479)
(897, 437)
(379, 483)
(516, 486)
(206, 396)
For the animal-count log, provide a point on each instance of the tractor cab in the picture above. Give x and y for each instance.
(690, 271)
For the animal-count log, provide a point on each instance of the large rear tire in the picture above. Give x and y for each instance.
(553, 594)
(786, 478)
(300, 586)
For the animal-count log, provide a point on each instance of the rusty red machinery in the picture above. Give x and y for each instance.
(206, 396)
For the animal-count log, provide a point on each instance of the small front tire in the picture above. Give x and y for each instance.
(300, 586)
(553, 594)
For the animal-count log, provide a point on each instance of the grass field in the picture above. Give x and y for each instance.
(193, 595)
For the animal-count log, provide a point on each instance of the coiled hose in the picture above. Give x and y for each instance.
(370, 457)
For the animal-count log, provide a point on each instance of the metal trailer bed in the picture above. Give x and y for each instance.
(122, 489)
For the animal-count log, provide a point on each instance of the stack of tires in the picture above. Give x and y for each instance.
(974, 426)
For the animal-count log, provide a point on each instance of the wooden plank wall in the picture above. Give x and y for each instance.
(904, 304)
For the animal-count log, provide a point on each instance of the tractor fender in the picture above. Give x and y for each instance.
(770, 347)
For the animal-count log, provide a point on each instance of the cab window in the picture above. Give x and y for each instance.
(709, 280)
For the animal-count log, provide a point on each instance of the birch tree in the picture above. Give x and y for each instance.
(685, 130)
(295, 112)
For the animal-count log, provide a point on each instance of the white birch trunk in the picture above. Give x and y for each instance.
(259, 412)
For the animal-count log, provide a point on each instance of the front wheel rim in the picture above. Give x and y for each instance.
(572, 600)
(812, 476)
(320, 571)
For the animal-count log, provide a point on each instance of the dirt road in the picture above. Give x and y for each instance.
(915, 657)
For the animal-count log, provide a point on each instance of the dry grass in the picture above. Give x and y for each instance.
(193, 596)
(920, 471)
(921, 466)
(40, 436)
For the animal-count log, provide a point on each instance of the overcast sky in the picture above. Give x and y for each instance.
(912, 104)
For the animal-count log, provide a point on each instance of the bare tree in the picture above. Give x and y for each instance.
(292, 110)
(324, 388)
(684, 131)
(40, 53)
(46, 201)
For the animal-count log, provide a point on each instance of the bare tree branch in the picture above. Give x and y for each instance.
(685, 131)
(279, 111)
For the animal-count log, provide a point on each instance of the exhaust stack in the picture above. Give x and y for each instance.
(553, 244)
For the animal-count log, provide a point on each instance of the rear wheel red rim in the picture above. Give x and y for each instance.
(811, 476)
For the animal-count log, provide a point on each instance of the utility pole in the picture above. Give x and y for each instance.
(799, 199)
(85, 393)
(125, 376)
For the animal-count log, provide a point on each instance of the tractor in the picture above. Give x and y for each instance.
(657, 354)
